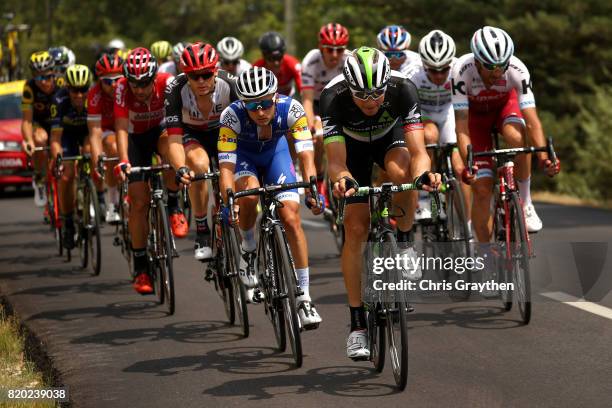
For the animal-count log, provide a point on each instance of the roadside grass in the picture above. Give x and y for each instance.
(562, 199)
(15, 370)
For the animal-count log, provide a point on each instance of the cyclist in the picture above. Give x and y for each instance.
(101, 122)
(432, 79)
(139, 114)
(230, 52)
(161, 50)
(194, 102)
(63, 58)
(68, 134)
(319, 67)
(115, 45)
(36, 123)
(372, 114)
(491, 88)
(394, 41)
(252, 143)
(173, 66)
(285, 67)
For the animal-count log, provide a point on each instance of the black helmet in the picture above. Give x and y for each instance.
(272, 44)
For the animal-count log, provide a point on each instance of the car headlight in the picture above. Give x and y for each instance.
(10, 146)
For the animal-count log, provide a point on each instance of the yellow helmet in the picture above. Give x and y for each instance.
(161, 50)
(123, 53)
(41, 61)
(78, 76)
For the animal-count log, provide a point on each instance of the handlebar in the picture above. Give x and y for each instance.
(206, 176)
(150, 169)
(549, 149)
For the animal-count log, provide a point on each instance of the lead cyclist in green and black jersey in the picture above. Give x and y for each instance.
(372, 114)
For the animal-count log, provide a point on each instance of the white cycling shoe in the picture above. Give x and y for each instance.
(423, 210)
(202, 253)
(247, 269)
(40, 195)
(112, 216)
(357, 347)
(533, 222)
(309, 318)
(413, 272)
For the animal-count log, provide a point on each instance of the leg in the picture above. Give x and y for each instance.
(397, 165)
(178, 222)
(41, 139)
(482, 221)
(197, 160)
(109, 145)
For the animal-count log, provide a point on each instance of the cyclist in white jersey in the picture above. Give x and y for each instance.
(319, 67)
(230, 52)
(394, 41)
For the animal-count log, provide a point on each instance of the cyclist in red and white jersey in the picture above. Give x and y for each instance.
(394, 41)
(319, 67)
(139, 114)
(285, 67)
(101, 122)
(491, 89)
(194, 102)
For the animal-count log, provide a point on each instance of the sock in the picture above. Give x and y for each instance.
(303, 278)
(202, 230)
(140, 258)
(525, 190)
(172, 201)
(112, 195)
(405, 236)
(248, 239)
(101, 198)
(358, 321)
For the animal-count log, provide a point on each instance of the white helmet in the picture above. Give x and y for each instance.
(256, 82)
(116, 44)
(177, 50)
(366, 69)
(437, 49)
(491, 45)
(230, 48)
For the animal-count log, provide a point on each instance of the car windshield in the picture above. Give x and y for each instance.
(10, 106)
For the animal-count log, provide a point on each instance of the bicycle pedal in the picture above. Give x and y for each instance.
(209, 275)
(312, 326)
(116, 242)
(257, 296)
(357, 359)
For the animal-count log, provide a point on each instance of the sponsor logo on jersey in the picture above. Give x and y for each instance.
(227, 140)
(458, 87)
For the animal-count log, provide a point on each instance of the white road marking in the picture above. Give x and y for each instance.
(581, 304)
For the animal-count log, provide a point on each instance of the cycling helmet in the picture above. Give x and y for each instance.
(256, 82)
(161, 50)
(115, 44)
(199, 56)
(41, 61)
(492, 45)
(366, 69)
(272, 44)
(177, 51)
(333, 34)
(393, 38)
(437, 49)
(140, 65)
(230, 48)
(109, 64)
(78, 76)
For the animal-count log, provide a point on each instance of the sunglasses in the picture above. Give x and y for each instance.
(493, 67)
(205, 75)
(109, 81)
(330, 49)
(82, 89)
(228, 62)
(44, 77)
(273, 57)
(255, 106)
(439, 70)
(364, 96)
(140, 84)
(395, 54)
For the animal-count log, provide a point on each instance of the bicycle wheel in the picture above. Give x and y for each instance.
(92, 228)
(163, 255)
(56, 224)
(233, 263)
(396, 320)
(520, 257)
(122, 231)
(273, 305)
(287, 286)
(223, 284)
(458, 236)
(377, 335)
(500, 256)
(337, 230)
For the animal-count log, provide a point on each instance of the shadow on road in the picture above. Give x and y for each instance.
(132, 310)
(479, 317)
(114, 287)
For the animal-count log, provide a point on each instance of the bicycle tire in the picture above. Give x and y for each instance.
(54, 216)
(84, 214)
(287, 286)
(459, 236)
(396, 322)
(93, 232)
(377, 336)
(521, 273)
(223, 284)
(123, 230)
(242, 313)
(273, 306)
(500, 257)
(163, 253)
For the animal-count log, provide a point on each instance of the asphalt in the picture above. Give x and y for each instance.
(115, 348)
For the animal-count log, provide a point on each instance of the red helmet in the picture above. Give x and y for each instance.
(333, 34)
(109, 64)
(140, 65)
(199, 56)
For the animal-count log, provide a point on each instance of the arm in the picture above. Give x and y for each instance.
(27, 132)
(121, 128)
(308, 103)
(95, 139)
(227, 144)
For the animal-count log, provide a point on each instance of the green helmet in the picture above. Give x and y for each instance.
(161, 50)
(78, 76)
(366, 69)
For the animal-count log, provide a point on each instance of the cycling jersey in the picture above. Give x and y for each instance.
(142, 116)
(240, 142)
(412, 59)
(34, 99)
(316, 75)
(435, 103)
(243, 65)
(168, 67)
(469, 91)
(288, 75)
(72, 122)
(100, 108)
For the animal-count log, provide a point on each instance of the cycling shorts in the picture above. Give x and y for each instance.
(206, 139)
(71, 143)
(482, 125)
(141, 147)
(271, 166)
(445, 121)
